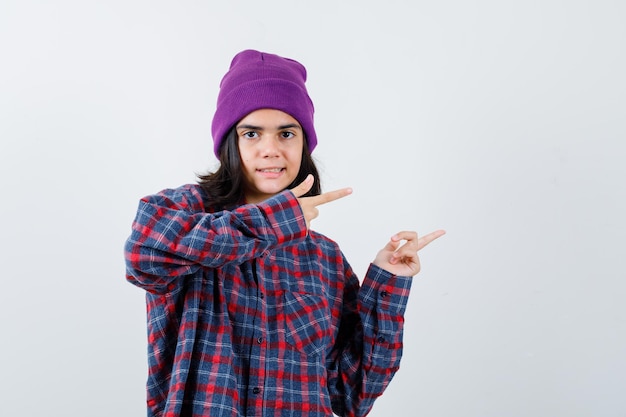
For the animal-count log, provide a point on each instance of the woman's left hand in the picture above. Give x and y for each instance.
(402, 259)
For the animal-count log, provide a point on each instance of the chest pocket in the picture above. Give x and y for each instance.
(305, 319)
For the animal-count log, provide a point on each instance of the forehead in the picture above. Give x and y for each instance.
(268, 118)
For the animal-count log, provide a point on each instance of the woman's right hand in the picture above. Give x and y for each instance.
(309, 204)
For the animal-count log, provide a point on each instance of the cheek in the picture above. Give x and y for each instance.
(245, 159)
(245, 153)
(298, 159)
(295, 156)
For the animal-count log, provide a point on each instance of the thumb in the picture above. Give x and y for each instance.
(304, 187)
(392, 245)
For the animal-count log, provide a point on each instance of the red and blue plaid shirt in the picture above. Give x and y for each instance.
(250, 315)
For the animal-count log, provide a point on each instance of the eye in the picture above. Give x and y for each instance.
(249, 135)
(287, 135)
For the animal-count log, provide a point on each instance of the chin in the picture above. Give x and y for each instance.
(273, 190)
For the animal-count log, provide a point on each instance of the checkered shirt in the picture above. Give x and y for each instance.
(250, 315)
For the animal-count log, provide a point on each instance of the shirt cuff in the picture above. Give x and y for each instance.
(390, 293)
(285, 216)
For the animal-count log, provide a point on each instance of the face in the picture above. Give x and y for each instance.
(270, 144)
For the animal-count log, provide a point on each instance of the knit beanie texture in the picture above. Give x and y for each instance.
(258, 80)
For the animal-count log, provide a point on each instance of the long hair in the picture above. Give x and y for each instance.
(225, 187)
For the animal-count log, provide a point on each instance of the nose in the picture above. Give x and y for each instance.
(269, 147)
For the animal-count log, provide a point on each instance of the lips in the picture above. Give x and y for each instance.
(271, 173)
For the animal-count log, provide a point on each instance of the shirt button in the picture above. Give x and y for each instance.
(256, 390)
(261, 295)
(380, 339)
(384, 294)
(259, 340)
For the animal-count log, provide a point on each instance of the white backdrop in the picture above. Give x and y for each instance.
(502, 122)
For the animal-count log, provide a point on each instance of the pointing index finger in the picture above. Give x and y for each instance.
(330, 196)
(425, 240)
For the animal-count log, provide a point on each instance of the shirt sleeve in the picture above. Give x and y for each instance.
(369, 344)
(172, 236)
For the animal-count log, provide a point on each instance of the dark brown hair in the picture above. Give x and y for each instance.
(224, 188)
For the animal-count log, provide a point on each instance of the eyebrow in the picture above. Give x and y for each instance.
(282, 127)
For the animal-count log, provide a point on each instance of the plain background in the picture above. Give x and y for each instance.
(502, 122)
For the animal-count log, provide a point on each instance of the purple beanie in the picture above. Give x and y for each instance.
(258, 80)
